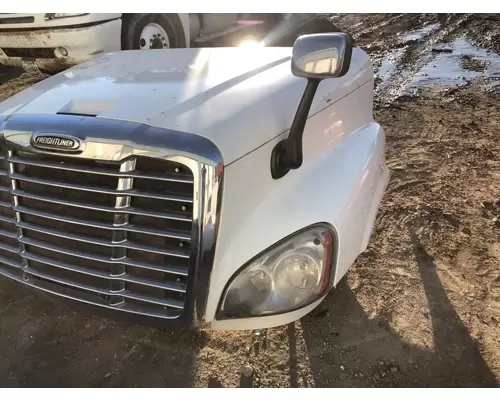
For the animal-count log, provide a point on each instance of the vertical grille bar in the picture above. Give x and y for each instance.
(15, 203)
(121, 235)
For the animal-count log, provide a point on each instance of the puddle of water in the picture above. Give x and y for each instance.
(388, 67)
(419, 34)
(457, 68)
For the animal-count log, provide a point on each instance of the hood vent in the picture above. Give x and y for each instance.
(78, 114)
(86, 107)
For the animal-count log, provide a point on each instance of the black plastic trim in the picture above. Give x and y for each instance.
(58, 27)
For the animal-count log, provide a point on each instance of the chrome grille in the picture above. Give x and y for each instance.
(116, 234)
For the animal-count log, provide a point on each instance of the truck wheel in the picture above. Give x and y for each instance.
(152, 31)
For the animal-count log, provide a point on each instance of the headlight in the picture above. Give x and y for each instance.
(288, 276)
(62, 15)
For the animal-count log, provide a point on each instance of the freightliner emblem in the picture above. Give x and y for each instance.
(55, 142)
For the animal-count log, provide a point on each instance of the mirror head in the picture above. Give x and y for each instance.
(322, 55)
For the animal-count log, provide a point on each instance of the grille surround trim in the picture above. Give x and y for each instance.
(119, 141)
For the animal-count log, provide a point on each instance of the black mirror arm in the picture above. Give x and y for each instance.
(287, 154)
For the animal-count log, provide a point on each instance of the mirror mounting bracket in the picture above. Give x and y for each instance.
(314, 57)
(287, 154)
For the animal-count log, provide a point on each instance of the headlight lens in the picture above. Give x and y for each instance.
(62, 15)
(292, 274)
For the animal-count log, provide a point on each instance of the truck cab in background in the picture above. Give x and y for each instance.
(52, 42)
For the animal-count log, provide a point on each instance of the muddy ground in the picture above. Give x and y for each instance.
(421, 307)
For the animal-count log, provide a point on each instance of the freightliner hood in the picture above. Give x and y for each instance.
(239, 98)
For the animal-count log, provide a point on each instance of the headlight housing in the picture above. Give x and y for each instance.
(290, 275)
(62, 15)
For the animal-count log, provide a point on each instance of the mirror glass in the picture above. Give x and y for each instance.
(321, 56)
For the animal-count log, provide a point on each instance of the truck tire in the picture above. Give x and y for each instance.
(152, 31)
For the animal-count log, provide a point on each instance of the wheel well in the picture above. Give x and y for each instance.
(179, 31)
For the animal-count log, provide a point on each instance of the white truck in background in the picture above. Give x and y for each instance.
(52, 42)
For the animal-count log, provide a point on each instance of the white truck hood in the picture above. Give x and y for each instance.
(239, 98)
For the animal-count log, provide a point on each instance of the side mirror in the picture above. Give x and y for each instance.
(314, 57)
(322, 55)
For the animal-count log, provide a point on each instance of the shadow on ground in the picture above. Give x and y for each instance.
(349, 349)
(44, 343)
(71, 347)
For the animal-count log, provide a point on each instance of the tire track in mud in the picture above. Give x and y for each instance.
(411, 58)
(402, 46)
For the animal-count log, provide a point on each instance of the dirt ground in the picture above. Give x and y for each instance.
(421, 307)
